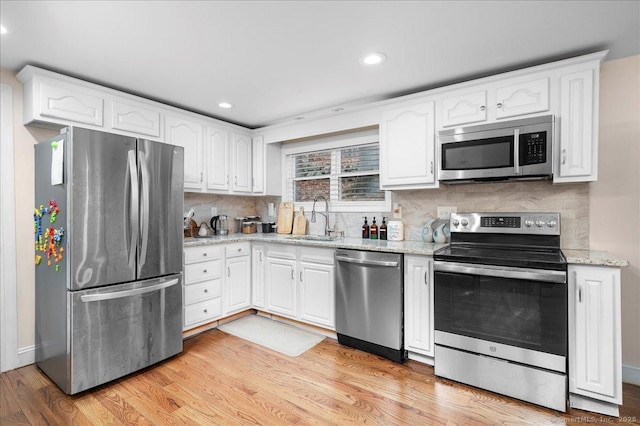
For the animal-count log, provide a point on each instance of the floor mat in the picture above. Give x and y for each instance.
(280, 337)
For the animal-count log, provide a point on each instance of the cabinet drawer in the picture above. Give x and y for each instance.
(202, 254)
(202, 271)
(202, 291)
(282, 251)
(317, 255)
(202, 311)
(239, 249)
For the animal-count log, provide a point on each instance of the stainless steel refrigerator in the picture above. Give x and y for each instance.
(108, 226)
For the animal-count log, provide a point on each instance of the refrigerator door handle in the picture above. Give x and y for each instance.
(127, 293)
(144, 209)
(133, 208)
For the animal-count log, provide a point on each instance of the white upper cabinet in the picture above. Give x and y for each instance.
(259, 167)
(464, 109)
(407, 147)
(217, 155)
(242, 163)
(522, 97)
(494, 101)
(577, 149)
(267, 167)
(188, 134)
(135, 118)
(64, 102)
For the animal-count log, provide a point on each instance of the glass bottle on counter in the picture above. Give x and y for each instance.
(374, 230)
(383, 229)
(365, 229)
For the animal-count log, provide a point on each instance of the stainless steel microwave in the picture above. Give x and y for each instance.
(517, 149)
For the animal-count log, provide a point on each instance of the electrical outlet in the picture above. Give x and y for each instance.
(214, 211)
(445, 212)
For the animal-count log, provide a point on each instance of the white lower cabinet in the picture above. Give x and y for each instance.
(595, 348)
(202, 292)
(237, 281)
(280, 280)
(299, 284)
(418, 305)
(258, 259)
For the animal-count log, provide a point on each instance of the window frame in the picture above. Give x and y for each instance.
(366, 137)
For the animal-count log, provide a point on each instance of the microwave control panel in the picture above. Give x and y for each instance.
(533, 148)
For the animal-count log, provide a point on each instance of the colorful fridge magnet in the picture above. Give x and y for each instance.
(48, 240)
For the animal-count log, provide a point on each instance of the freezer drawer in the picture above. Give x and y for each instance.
(120, 329)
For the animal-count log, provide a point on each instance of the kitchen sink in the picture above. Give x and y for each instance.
(313, 237)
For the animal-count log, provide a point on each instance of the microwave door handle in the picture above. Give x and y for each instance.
(516, 151)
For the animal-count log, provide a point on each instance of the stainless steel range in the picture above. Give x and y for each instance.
(501, 306)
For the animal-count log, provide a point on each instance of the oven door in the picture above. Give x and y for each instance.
(516, 314)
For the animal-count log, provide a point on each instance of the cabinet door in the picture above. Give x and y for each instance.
(407, 147)
(281, 286)
(595, 363)
(418, 305)
(317, 297)
(135, 118)
(258, 178)
(217, 152)
(578, 141)
(522, 98)
(70, 103)
(188, 134)
(237, 284)
(257, 275)
(241, 163)
(464, 109)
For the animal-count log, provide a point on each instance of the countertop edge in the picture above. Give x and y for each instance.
(574, 257)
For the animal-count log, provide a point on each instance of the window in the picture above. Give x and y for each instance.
(348, 176)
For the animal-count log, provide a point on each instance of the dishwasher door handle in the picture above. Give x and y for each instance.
(366, 262)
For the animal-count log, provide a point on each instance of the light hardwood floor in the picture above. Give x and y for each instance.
(223, 380)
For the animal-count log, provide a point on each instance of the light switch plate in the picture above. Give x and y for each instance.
(445, 212)
(214, 211)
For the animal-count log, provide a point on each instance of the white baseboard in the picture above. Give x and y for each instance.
(631, 374)
(26, 356)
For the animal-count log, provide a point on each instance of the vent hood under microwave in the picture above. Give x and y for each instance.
(516, 149)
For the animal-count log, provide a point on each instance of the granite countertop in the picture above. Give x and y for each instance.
(578, 257)
(593, 257)
(407, 247)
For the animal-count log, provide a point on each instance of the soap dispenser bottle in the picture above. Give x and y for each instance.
(374, 230)
(383, 229)
(365, 229)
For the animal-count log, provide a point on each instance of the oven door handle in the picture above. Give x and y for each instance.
(501, 271)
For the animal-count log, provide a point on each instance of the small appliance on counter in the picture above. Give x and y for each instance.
(220, 225)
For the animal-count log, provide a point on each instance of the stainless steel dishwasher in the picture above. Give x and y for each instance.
(369, 302)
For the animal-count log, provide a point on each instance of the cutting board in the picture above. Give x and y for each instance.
(285, 218)
(300, 223)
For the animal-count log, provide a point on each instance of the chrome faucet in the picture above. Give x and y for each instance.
(327, 229)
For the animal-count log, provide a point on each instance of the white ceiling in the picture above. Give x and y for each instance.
(275, 60)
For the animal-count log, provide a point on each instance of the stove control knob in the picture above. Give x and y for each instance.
(455, 222)
(465, 222)
(528, 223)
(552, 224)
(540, 223)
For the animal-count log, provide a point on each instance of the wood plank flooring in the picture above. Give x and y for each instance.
(223, 380)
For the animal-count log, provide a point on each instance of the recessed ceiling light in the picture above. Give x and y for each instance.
(373, 58)
(225, 105)
(3, 30)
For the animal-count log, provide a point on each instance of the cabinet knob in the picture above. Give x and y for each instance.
(205, 271)
(206, 290)
(205, 311)
(482, 108)
(240, 249)
(499, 105)
(204, 254)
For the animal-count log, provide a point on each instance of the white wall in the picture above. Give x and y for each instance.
(615, 198)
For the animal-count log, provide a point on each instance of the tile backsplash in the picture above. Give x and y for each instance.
(418, 206)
